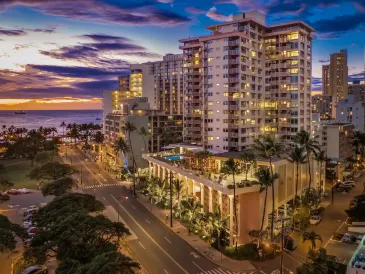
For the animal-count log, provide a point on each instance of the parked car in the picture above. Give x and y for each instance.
(27, 224)
(32, 229)
(350, 183)
(348, 238)
(30, 211)
(342, 188)
(315, 219)
(28, 218)
(36, 269)
(33, 207)
(13, 192)
(359, 238)
(26, 242)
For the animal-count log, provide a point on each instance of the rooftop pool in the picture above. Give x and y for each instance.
(174, 157)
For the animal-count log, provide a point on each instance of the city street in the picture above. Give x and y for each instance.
(157, 248)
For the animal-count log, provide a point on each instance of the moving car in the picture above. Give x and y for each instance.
(315, 219)
(24, 190)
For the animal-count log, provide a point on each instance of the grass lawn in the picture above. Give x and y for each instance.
(16, 171)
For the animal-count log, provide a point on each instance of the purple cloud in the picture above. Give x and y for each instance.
(12, 32)
(323, 61)
(215, 15)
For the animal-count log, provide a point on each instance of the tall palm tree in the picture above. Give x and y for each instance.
(265, 181)
(63, 125)
(191, 210)
(312, 237)
(298, 156)
(231, 167)
(268, 147)
(248, 161)
(178, 189)
(217, 224)
(321, 158)
(310, 144)
(144, 133)
(129, 128)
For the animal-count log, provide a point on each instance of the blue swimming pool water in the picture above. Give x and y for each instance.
(174, 158)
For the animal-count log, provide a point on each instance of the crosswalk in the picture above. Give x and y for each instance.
(101, 185)
(221, 271)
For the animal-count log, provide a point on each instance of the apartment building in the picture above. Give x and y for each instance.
(357, 89)
(352, 111)
(322, 104)
(326, 80)
(338, 75)
(247, 78)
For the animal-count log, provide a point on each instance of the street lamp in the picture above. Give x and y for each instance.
(81, 174)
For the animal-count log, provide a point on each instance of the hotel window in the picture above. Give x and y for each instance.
(210, 138)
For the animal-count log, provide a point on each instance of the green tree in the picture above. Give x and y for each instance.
(310, 144)
(268, 147)
(312, 237)
(297, 156)
(145, 134)
(218, 228)
(248, 161)
(8, 234)
(58, 187)
(191, 211)
(52, 171)
(357, 208)
(232, 167)
(63, 125)
(5, 185)
(128, 129)
(321, 158)
(42, 157)
(98, 137)
(265, 181)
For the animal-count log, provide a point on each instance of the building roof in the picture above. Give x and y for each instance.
(237, 154)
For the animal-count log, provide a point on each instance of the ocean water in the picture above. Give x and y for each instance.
(33, 119)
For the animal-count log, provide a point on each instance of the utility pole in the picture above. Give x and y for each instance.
(171, 198)
(81, 174)
(282, 246)
(333, 179)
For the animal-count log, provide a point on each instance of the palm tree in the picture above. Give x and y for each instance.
(297, 156)
(231, 167)
(265, 181)
(248, 161)
(144, 133)
(129, 128)
(191, 210)
(178, 189)
(310, 144)
(268, 146)
(217, 224)
(120, 145)
(312, 237)
(63, 125)
(321, 158)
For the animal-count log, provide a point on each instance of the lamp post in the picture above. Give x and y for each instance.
(81, 173)
(171, 198)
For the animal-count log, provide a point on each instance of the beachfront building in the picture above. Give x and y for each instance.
(204, 181)
(247, 78)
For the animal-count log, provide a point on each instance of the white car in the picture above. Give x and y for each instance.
(315, 219)
(24, 190)
(350, 183)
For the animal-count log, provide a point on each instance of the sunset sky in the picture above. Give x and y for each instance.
(60, 54)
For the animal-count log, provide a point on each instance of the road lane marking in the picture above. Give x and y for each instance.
(133, 207)
(199, 267)
(166, 271)
(331, 239)
(141, 245)
(148, 221)
(104, 199)
(149, 236)
(167, 240)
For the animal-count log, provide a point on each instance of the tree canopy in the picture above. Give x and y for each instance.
(52, 171)
(58, 187)
(8, 234)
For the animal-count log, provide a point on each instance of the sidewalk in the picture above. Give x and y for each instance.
(196, 242)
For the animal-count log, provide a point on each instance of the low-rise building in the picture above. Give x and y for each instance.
(211, 188)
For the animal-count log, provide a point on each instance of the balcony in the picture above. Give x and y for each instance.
(235, 61)
(233, 134)
(234, 43)
(233, 89)
(232, 80)
(233, 71)
(234, 52)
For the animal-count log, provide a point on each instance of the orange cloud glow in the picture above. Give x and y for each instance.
(58, 103)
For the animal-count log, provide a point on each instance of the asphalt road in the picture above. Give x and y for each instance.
(157, 248)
